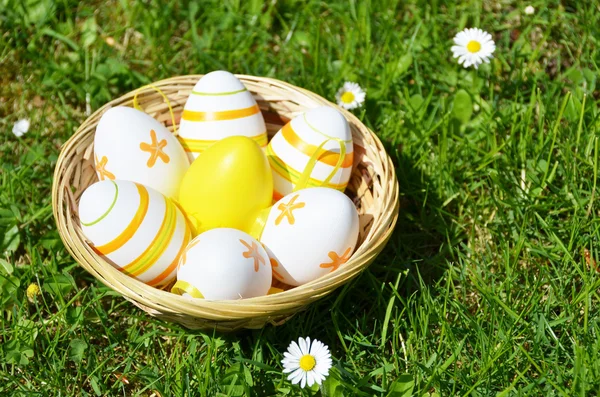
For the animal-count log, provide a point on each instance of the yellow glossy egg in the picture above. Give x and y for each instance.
(227, 186)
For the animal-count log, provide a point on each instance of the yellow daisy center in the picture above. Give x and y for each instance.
(473, 46)
(32, 290)
(307, 362)
(347, 97)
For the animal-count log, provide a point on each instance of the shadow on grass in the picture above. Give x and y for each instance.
(415, 256)
(353, 317)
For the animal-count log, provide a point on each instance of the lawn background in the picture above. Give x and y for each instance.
(489, 285)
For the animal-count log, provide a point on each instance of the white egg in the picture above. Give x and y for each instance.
(220, 106)
(323, 132)
(137, 229)
(130, 145)
(224, 263)
(309, 233)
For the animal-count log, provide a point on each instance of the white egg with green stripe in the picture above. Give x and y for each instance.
(219, 106)
(138, 230)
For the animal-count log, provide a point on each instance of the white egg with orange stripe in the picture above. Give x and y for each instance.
(137, 229)
(224, 263)
(313, 149)
(220, 106)
(309, 233)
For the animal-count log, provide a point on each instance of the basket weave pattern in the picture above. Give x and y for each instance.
(373, 188)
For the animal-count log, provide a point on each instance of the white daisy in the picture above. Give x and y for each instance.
(350, 96)
(473, 47)
(529, 10)
(306, 363)
(20, 127)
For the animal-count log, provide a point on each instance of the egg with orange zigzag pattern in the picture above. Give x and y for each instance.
(223, 263)
(131, 145)
(321, 138)
(310, 233)
(219, 106)
(138, 230)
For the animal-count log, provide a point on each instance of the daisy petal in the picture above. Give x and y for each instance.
(291, 364)
(295, 349)
(310, 378)
(302, 346)
(295, 376)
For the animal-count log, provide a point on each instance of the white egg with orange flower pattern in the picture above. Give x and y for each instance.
(130, 145)
(223, 263)
(310, 233)
(135, 228)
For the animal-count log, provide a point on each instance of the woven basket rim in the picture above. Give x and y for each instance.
(166, 302)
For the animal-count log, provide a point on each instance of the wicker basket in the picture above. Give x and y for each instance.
(373, 187)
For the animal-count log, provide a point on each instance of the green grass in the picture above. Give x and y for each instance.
(489, 285)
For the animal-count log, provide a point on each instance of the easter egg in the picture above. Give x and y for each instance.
(220, 106)
(224, 264)
(130, 145)
(320, 136)
(309, 233)
(137, 229)
(227, 186)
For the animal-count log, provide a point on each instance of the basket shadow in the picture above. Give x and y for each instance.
(414, 258)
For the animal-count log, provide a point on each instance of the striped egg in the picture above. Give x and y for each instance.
(137, 229)
(219, 106)
(320, 134)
